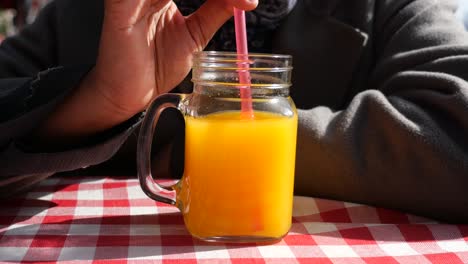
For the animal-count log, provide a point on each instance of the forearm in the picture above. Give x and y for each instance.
(29, 103)
(401, 143)
(84, 113)
(388, 152)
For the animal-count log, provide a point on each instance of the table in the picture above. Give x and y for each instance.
(110, 220)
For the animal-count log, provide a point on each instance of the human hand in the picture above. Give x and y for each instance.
(146, 47)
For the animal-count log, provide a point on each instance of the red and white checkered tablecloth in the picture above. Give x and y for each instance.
(110, 220)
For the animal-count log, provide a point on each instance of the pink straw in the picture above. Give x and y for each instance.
(242, 56)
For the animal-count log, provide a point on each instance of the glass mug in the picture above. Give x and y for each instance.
(238, 178)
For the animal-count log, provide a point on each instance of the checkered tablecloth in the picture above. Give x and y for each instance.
(110, 220)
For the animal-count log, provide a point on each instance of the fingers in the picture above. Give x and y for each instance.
(204, 23)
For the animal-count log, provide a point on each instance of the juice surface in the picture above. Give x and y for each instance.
(239, 175)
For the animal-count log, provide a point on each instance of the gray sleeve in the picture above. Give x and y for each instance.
(22, 164)
(403, 143)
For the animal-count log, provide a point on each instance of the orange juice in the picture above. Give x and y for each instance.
(239, 175)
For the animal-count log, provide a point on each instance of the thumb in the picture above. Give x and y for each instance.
(204, 22)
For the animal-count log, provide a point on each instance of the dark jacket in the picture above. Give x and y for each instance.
(381, 88)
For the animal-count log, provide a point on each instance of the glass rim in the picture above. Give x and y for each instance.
(231, 61)
(215, 53)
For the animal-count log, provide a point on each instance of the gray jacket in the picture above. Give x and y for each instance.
(381, 88)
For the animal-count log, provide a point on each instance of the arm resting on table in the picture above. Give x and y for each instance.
(403, 143)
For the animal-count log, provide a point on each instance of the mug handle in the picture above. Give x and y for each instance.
(150, 187)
